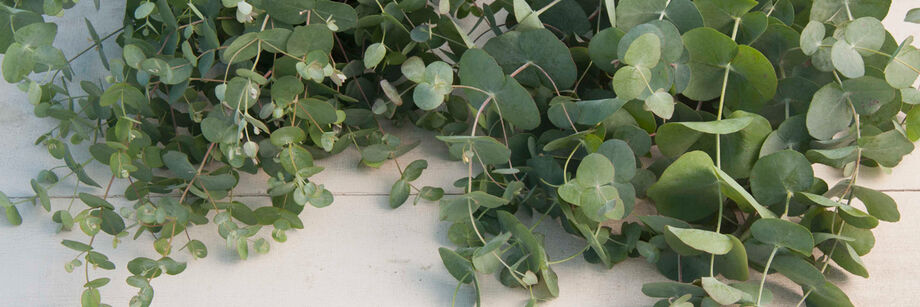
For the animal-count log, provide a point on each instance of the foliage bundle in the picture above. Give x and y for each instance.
(558, 114)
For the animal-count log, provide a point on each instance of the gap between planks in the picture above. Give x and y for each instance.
(374, 194)
(245, 195)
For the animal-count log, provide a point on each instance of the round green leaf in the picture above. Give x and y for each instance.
(865, 33)
(374, 54)
(783, 233)
(426, 97)
(776, 175)
(287, 135)
(414, 69)
(479, 70)
(847, 60)
(133, 56)
(828, 112)
(309, 38)
(645, 51)
(811, 37)
(752, 26)
(622, 157)
(720, 292)
(178, 163)
(376, 153)
(710, 52)
(217, 130)
(822, 59)
(318, 112)
(563, 112)
(791, 134)
(592, 112)
(674, 139)
(594, 170)
(286, 89)
(868, 94)
(688, 189)
(36, 34)
(903, 70)
(838, 12)
(541, 47)
(337, 16)
(720, 14)
(440, 76)
(751, 82)
(603, 48)
(683, 13)
(601, 203)
(661, 103)
(631, 81)
(122, 92)
(242, 48)
(242, 93)
(734, 264)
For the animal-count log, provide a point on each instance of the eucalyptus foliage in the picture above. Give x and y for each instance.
(572, 110)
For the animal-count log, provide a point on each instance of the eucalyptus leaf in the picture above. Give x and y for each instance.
(539, 47)
(691, 174)
(720, 292)
(878, 203)
(777, 176)
(703, 240)
(902, 71)
(478, 69)
(783, 233)
(886, 148)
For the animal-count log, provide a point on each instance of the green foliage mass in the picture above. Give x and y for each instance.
(560, 105)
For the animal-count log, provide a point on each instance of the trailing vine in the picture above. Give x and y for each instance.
(571, 110)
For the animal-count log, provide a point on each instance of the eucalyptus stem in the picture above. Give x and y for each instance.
(570, 257)
(766, 271)
(453, 300)
(788, 198)
(712, 257)
(470, 190)
(469, 186)
(846, 194)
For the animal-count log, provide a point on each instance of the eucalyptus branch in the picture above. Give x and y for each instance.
(395, 64)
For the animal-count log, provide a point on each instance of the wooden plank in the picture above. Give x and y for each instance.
(360, 252)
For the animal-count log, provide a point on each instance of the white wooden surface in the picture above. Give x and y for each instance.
(358, 252)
